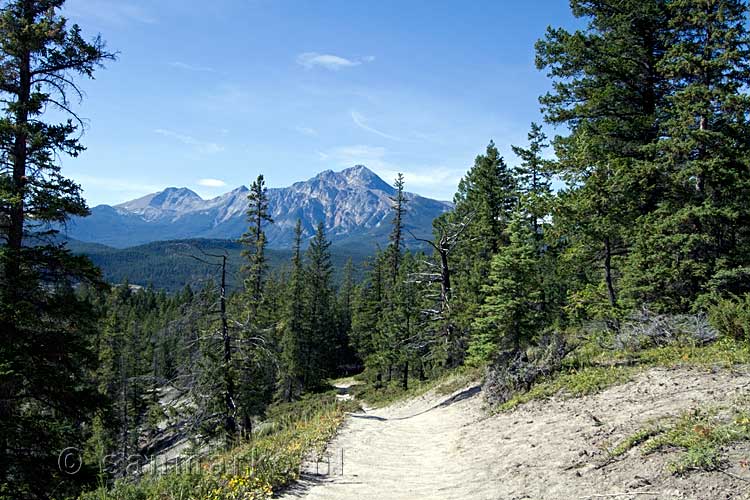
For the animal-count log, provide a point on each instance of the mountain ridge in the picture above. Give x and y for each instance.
(354, 205)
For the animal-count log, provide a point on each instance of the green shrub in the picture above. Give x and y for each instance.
(701, 435)
(252, 470)
(732, 317)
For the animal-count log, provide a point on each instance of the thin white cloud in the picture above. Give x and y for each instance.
(434, 181)
(347, 156)
(360, 121)
(191, 67)
(212, 183)
(311, 60)
(115, 184)
(429, 178)
(198, 145)
(98, 189)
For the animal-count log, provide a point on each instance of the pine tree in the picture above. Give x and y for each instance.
(487, 194)
(696, 242)
(510, 316)
(44, 325)
(367, 309)
(255, 241)
(398, 325)
(609, 92)
(485, 199)
(533, 178)
(320, 325)
(292, 363)
(345, 355)
(398, 207)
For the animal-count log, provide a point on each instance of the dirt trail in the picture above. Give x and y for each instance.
(449, 448)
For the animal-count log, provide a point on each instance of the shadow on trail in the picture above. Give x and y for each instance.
(461, 396)
(368, 417)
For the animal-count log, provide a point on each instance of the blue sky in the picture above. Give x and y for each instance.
(207, 95)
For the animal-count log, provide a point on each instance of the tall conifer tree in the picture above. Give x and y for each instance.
(255, 241)
(44, 325)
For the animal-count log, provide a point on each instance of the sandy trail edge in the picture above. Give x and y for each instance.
(449, 448)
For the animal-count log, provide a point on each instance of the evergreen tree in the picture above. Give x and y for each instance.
(44, 326)
(255, 241)
(609, 92)
(485, 199)
(319, 342)
(345, 355)
(696, 242)
(398, 325)
(533, 178)
(396, 237)
(292, 362)
(511, 315)
(367, 308)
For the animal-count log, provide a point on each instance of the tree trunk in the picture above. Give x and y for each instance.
(405, 381)
(16, 210)
(445, 278)
(608, 273)
(615, 323)
(230, 425)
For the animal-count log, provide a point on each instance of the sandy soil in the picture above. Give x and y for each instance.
(450, 448)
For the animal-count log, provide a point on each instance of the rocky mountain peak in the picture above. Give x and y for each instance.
(353, 204)
(356, 177)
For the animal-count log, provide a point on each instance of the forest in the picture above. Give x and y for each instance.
(638, 205)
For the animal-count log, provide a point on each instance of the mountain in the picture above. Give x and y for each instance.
(353, 204)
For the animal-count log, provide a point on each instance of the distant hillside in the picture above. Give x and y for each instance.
(168, 265)
(353, 204)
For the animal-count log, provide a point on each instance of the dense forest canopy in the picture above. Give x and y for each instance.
(654, 214)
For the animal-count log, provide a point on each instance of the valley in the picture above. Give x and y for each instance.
(171, 265)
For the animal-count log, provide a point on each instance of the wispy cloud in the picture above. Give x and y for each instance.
(360, 121)
(347, 156)
(109, 11)
(191, 67)
(212, 183)
(198, 145)
(115, 184)
(434, 181)
(311, 60)
(106, 189)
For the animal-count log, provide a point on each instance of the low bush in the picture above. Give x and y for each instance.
(731, 317)
(250, 471)
(697, 437)
(604, 358)
(516, 371)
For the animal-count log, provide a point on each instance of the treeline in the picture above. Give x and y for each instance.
(113, 374)
(651, 211)
(169, 265)
(204, 365)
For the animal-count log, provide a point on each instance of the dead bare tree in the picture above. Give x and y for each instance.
(448, 234)
(230, 408)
